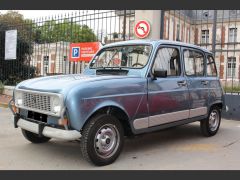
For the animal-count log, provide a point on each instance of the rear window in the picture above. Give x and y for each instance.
(194, 63)
(211, 67)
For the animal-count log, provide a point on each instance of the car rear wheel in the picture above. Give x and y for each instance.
(34, 138)
(102, 139)
(210, 126)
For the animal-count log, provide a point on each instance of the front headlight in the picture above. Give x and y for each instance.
(18, 98)
(57, 104)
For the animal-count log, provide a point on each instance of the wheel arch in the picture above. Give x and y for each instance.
(219, 104)
(117, 112)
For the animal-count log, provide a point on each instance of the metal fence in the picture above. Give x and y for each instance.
(216, 30)
(43, 44)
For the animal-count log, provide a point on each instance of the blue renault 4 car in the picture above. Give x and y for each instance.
(128, 88)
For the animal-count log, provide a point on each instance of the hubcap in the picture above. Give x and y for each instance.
(106, 141)
(213, 120)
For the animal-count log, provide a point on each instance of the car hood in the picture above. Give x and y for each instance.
(59, 83)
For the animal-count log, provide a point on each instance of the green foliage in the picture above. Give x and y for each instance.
(53, 31)
(1, 87)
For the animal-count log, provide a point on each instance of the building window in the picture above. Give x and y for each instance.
(45, 64)
(231, 68)
(205, 36)
(232, 35)
(131, 28)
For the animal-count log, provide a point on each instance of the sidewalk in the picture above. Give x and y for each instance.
(4, 99)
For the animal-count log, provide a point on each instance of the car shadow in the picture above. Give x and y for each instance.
(141, 143)
(163, 138)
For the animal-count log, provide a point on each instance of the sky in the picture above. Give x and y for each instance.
(33, 14)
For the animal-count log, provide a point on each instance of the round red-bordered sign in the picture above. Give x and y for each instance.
(142, 29)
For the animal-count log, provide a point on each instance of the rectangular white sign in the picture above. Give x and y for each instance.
(11, 45)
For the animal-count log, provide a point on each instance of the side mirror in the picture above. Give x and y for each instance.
(161, 73)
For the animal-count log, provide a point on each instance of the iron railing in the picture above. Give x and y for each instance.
(215, 30)
(43, 44)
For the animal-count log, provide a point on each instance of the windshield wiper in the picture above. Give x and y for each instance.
(112, 71)
(112, 67)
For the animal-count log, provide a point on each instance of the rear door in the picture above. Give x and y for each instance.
(215, 92)
(194, 63)
(168, 97)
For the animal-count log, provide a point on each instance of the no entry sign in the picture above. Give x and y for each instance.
(142, 29)
(83, 51)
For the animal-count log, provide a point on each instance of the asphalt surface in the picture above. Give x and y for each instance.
(180, 148)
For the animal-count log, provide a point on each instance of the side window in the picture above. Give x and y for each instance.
(194, 63)
(211, 67)
(168, 59)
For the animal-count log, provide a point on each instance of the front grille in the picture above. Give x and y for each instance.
(37, 101)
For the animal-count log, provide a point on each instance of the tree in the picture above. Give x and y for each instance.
(14, 71)
(52, 31)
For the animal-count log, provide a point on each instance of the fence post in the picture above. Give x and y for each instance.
(124, 25)
(214, 31)
(73, 70)
(161, 23)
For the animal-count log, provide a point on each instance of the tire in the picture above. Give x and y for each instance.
(210, 126)
(34, 138)
(102, 139)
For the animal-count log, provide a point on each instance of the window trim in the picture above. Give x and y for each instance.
(180, 59)
(184, 48)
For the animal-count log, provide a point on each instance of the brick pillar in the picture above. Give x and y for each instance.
(174, 24)
(165, 29)
(196, 36)
(53, 59)
(188, 30)
(221, 66)
(223, 36)
(38, 71)
(239, 69)
(168, 23)
(182, 33)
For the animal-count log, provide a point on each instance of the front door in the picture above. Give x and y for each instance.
(168, 97)
(194, 61)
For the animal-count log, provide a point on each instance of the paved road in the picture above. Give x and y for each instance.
(177, 148)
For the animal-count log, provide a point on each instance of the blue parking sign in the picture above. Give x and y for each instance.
(75, 52)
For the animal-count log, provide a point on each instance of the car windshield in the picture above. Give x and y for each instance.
(131, 56)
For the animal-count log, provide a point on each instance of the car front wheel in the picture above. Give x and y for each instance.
(210, 126)
(102, 139)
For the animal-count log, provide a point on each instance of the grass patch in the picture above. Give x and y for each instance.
(230, 89)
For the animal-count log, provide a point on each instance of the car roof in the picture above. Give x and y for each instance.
(156, 42)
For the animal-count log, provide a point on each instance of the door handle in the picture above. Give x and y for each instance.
(204, 82)
(182, 83)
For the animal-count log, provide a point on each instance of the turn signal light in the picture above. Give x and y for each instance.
(63, 122)
(14, 108)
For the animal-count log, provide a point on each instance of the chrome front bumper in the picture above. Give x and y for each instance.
(48, 131)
